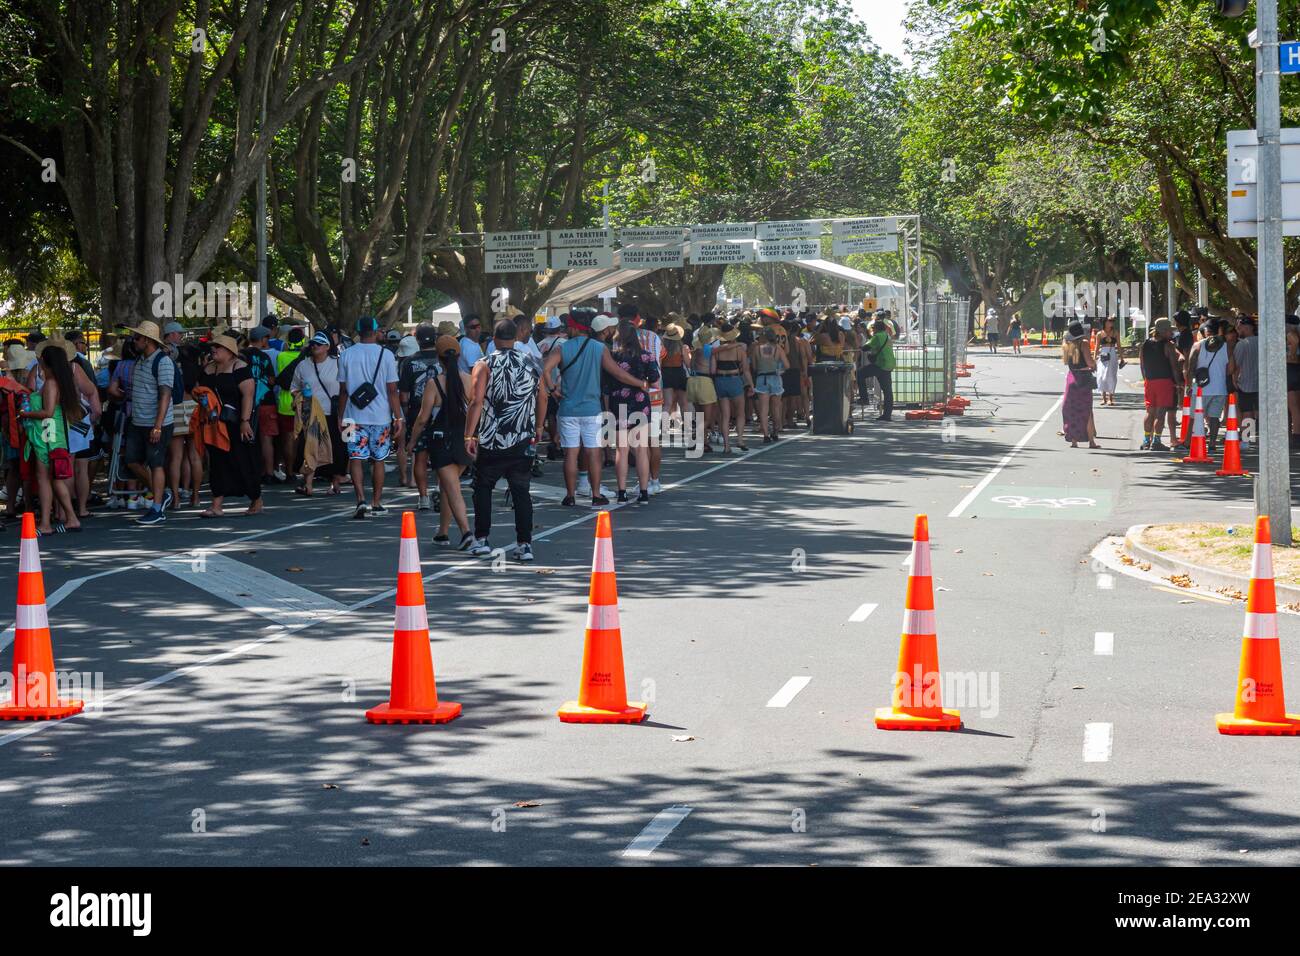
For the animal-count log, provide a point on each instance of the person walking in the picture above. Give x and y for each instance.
(1076, 409)
(991, 330)
(507, 411)
(316, 379)
(1109, 362)
(701, 395)
(1207, 370)
(237, 469)
(150, 430)
(372, 412)
(631, 409)
(443, 432)
(1015, 330)
(47, 413)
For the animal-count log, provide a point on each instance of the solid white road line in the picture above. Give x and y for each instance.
(1097, 739)
(655, 832)
(251, 588)
(1103, 643)
(862, 613)
(984, 482)
(1105, 582)
(787, 693)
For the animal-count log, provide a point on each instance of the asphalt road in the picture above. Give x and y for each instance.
(760, 598)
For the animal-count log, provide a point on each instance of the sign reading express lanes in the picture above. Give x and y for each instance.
(493, 241)
(515, 260)
(721, 253)
(578, 238)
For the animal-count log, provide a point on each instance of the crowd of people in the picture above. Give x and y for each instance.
(162, 413)
(1216, 356)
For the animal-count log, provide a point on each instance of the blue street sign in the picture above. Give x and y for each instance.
(1162, 267)
(1288, 57)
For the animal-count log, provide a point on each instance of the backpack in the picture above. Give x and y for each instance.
(178, 377)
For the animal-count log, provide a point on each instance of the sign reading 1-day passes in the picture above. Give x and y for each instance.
(866, 226)
(790, 229)
(723, 230)
(576, 238)
(656, 235)
(513, 240)
(590, 257)
(670, 257)
(515, 260)
(721, 253)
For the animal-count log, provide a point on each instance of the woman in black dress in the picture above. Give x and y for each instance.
(237, 471)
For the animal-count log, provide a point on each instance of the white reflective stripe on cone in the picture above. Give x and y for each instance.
(31, 617)
(1198, 422)
(918, 622)
(603, 559)
(411, 618)
(1261, 626)
(1261, 562)
(409, 557)
(921, 559)
(29, 556)
(602, 617)
(1232, 435)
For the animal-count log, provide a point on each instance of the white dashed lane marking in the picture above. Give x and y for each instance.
(787, 693)
(1103, 643)
(1105, 582)
(862, 613)
(1097, 739)
(655, 832)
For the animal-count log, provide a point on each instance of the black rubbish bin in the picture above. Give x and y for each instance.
(830, 395)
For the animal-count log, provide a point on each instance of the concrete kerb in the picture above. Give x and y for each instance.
(1205, 577)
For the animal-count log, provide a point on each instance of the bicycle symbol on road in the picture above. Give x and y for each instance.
(1020, 501)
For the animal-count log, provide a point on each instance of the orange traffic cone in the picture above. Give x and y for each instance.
(1185, 419)
(1044, 343)
(1260, 709)
(36, 689)
(602, 696)
(413, 696)
(1232, 445)
(1198, 453)
(917, 703)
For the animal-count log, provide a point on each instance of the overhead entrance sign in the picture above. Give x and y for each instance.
(586, 257)
(871, 225)
(723, 230)
(653, 235)
(790, 229)
(496, 241)
(788, 250)
(515, 260)
(669, 257)
(849, 245)
(577, 238)
(721, 253)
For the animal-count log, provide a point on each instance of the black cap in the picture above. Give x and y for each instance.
(425, 335)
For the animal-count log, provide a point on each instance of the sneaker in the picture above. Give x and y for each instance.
(466, 540)
(152, 516)
(622, 496)
(1158, 445)
(567, 501)
(378, 510)
(280, 475)
(481, 548)
(584, 486)
(442, 541)
(185, 496)
(361, 510)
(644, 497)
(1146, 444)
(168, 498)
(599, 501)
(655, 487)
(422, 503)
(133, 504)
(524, 552)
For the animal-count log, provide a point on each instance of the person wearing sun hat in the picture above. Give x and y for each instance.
(317, 376)
(235, 470)
(673, 369)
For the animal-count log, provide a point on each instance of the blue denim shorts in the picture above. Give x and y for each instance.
(769, 383)
(729, 386)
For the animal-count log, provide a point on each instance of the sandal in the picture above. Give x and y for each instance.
(301, 490)
(209, 513)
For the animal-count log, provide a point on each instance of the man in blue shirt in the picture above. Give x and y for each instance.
(580, 360)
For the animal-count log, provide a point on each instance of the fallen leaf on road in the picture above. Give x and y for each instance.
(1078, 687)
(293, 569)
(988, 574)
(1180, 580)
(365, 841)
(1186, 602)
(682, 739)
(525, 804)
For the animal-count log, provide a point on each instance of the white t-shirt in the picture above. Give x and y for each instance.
(356, 367)
(528, 348)
(321, 377)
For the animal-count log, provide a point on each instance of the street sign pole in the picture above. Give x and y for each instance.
(1169, 273)
(1273, 483)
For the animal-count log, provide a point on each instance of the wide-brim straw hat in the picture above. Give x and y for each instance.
(227, 343)
(673, 333)
(69, 349)
(730, 336)
(19, 358)
(149, 330)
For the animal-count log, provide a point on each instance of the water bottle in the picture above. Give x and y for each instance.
(306, 391)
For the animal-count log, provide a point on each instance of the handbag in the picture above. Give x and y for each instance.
(1085, 378)
(61, 464)
(367, 393)
(1201, 374)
